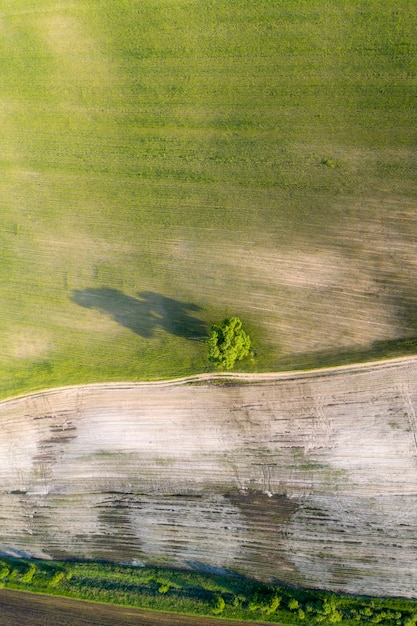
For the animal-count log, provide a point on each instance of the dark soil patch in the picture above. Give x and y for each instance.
(20, 609)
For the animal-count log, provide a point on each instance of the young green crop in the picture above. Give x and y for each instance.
(219, 156)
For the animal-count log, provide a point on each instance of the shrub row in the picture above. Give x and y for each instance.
(201, 594)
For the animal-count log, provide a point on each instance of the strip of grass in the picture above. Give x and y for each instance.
(178, 591)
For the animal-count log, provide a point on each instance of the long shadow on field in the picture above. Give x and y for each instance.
(145, 313)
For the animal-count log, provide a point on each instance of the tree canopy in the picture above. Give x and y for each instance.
(228, 343)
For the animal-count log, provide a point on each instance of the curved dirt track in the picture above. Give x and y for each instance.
(309, 477)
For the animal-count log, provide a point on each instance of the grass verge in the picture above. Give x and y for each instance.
(229, 597)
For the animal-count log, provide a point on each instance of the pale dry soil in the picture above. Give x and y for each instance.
(350, 289)
(310, 478)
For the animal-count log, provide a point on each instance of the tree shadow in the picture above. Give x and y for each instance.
(144, 314)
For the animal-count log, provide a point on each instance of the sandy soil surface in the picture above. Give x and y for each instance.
(306, 477)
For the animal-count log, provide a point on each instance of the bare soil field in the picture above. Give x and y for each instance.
(20, 609)
(307, 478)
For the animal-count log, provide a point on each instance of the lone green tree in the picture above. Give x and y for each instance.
(228, 343)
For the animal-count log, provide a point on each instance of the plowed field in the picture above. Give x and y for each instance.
(18, 608)
(308, 478)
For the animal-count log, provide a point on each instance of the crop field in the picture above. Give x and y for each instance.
(167, 163)
(298, 477)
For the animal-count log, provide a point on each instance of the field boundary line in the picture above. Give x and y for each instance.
(213, 377)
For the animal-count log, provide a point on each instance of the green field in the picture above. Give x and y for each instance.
(166, 163)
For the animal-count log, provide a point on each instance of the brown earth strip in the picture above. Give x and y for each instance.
(19, 608)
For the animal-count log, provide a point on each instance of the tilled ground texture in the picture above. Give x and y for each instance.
(27, 609)
(307, 478)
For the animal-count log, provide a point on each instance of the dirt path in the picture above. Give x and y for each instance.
(256, 377)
